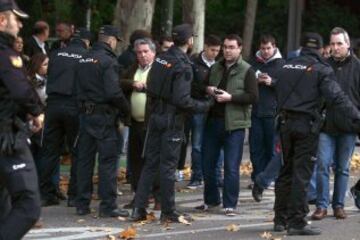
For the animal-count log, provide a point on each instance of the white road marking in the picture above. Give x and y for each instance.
(76, 233)
(212, 229)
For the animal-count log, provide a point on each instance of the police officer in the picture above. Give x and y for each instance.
(61, 116)
(302, 82)
(20, 201)
(101, 102)
(169, 91)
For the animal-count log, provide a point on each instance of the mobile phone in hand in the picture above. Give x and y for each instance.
(217, 91)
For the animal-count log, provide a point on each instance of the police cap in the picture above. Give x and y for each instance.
(10, 5)
(82, 33)
(110, 30)
(312, 40)
(182, 32)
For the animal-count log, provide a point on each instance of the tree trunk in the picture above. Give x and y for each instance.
(194, 14)
(249, 26)
(167, 14)
(88, 15)
(133, 14)
(294, 24)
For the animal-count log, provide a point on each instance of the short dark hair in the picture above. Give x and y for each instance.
(138, 34)
(267, 38)
(165, 38)
(180, 41)
(40, 27)
(212, 40)
(235, 37)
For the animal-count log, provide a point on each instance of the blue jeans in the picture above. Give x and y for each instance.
(197, 129)
(270, 173)
(215, 138)
(312, 193)
(262, 143)
(338, 148)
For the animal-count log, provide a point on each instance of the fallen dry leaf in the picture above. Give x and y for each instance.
(187, 172)
(233, 228)
(80, 221)
(128, 233)
(266, 235)
(150, 217)
(246, 169)
(110, 237)
(121, 176)
(355, 162)
(184, 221)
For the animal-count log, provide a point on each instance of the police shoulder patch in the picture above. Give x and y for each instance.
(16, 61)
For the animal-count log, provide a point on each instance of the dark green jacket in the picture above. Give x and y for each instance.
(237, 116)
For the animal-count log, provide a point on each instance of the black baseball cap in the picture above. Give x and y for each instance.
(10, 5)
(110, 30)
(82, 33)
(312, 40)
(182, 32)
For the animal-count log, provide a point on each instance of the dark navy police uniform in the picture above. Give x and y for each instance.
(19, 193)
(303, 81)
(101, 102)
(169, 91)
(61, 119)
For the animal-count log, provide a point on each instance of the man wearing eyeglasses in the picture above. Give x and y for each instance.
(233, 84)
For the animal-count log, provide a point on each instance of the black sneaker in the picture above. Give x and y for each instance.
(174, 217)
(305, 231)
(356, 195)
(83, 211)
(257, 192)
(114, 213)
(138, 214)
(205, 207)
(278, 227)
(194, 185)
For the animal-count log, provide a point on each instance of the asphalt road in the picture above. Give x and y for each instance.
(252, 221)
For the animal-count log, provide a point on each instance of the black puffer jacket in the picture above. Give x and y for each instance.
(266, 106)
(348, 77)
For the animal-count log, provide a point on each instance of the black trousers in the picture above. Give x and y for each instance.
(187, 129)
(357, 185)
(164, 140)
(19, 194)
(299, 145)
(137, 161)
(97, 134)
(61, 125)
(135, 148)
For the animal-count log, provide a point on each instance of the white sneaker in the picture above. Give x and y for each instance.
(230, 212)
(179, 175)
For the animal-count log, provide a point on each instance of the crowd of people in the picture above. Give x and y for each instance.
(301, 112)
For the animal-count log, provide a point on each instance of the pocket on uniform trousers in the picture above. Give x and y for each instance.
(174, 140)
